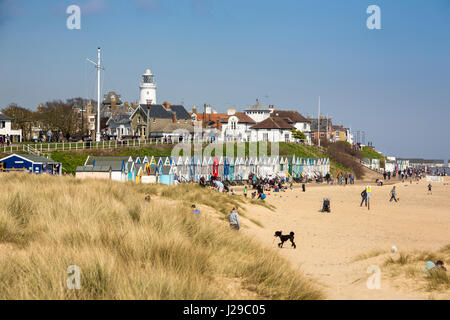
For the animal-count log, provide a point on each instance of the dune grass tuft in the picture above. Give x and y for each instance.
(412, 266)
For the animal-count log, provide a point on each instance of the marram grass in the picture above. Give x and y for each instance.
(127, 248)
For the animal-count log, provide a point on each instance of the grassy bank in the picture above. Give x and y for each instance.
(128, 248)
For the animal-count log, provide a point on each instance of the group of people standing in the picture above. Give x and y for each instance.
(5, 140)
(341, 178)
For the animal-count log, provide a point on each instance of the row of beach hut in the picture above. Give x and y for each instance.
(169, 170)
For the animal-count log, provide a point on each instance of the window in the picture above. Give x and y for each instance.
(2, 124)
(265, 137)
(322, 135)
(139, 119)
(286, 137)
(143, 131)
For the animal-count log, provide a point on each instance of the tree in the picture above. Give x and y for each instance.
(58, 115)
(22, 117)
(298, 135)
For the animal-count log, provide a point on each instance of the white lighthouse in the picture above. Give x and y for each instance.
(148, 88)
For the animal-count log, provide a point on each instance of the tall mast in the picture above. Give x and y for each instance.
(97, 137)
(99, 67)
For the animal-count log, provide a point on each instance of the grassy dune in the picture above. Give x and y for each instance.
(128, 248)
(411, 266)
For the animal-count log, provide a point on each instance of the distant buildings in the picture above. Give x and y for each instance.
(322, 129)
(161, 121)
(255, 123)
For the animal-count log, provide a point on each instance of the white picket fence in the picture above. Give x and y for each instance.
(40, 148)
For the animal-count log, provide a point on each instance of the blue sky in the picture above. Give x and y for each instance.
(392, 83)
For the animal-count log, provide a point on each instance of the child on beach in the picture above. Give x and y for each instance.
(429, 189)
(393, 195)
(195, 210)
(245, 191)
(234, 219)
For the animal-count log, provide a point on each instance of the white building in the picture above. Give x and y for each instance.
(258, 112)
(6, 131)
(147, 93)
(273, 129)
(349, 136)
(296, 120)
(236, 127)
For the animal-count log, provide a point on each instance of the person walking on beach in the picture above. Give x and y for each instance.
(393, 195)
(364, 197)
(429, 189)
(234, 219)
(245, 191)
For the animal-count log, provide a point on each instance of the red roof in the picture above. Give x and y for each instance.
(290, 116)
(273, 123)
(212, 119)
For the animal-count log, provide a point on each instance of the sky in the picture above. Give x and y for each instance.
(392, 83)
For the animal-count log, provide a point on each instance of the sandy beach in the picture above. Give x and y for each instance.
(327, 243)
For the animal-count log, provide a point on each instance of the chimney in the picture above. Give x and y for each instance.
(231, 111)
(208, 109)
(194, 109)
(166, 105)
(174, 117)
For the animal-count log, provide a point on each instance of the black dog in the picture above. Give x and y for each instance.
(285, 237)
